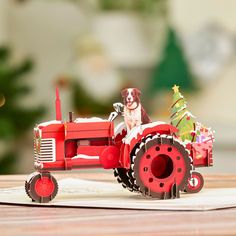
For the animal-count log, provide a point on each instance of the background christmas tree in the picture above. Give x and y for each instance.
(172, 68)
(15, 120)
(181, 117)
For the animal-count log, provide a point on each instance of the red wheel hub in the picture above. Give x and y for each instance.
(162, 166)
(194, 182)
(44, 186)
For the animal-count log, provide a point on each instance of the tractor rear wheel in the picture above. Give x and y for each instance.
(195, 183)
(41, 187)
(161, 167)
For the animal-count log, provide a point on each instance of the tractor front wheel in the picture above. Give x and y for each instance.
(41, 187)
(195, 183)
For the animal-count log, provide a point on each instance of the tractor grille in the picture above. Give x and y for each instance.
(46, 152)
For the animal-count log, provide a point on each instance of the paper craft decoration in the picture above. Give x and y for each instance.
(76, 192)
(154, 159)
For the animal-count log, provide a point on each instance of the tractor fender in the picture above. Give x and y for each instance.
(137, 133)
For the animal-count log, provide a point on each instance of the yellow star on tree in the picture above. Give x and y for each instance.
(176, 88)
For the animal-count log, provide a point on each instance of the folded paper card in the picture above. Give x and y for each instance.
(84, 193)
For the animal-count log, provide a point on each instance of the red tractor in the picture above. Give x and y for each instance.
(150, 159)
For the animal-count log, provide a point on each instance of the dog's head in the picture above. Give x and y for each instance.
(131, 97)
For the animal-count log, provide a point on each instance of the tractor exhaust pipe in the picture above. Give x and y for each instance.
(58, 106)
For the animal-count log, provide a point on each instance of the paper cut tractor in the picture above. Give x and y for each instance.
(150, 159)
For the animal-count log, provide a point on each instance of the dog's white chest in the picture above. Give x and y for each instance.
(133, 117)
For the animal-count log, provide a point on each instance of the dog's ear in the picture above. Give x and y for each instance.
(137, 91)
(123, 92)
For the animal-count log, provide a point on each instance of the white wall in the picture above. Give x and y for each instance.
(188, 15)
(217, 102)
(4, 7)
(47, 31)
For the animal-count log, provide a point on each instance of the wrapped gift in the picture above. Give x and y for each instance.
(202, 154)
(204, 134)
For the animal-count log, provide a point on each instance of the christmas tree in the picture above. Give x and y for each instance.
(15, 119)
(181, 118)
(172, 68)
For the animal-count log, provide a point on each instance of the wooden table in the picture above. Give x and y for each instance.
(21, 220)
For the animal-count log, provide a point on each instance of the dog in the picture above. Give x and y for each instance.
(134, 113)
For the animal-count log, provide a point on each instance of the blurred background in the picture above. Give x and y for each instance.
(91, 49)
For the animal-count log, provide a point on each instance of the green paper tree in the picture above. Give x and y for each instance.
(172, 68)
(15, 119)
(181, 118)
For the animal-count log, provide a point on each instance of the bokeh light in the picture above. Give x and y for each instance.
(2, 100)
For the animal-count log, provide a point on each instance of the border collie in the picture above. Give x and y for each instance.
(134, 113)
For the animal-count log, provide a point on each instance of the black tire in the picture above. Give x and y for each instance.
(123, 178)
(126, 177)
(41, 187)
(27, 181)
(27, 189)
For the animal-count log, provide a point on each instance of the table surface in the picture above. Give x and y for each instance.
(23, 220)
